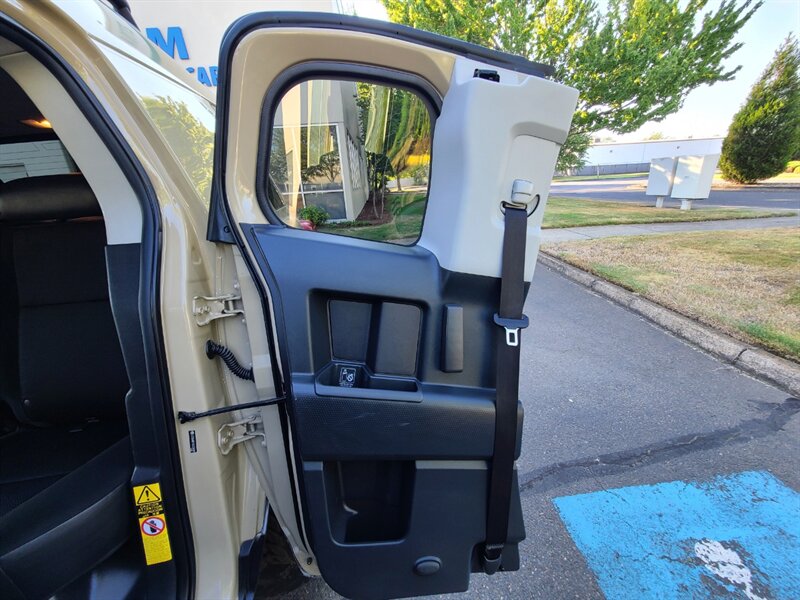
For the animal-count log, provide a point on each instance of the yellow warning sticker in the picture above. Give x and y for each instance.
(152, 523)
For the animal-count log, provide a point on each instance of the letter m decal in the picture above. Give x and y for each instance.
(174, 41)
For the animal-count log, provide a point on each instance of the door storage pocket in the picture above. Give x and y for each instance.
(368, 500)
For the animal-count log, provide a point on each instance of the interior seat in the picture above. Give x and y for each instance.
(69, 528)
(61, 360)
(66, 465)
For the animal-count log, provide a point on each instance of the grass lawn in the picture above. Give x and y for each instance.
(779, 178)
(746, 283)
(409, 209)
(789, 177)
(577, 212)
(404, 228)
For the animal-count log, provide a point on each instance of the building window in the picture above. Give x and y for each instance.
(306, 167)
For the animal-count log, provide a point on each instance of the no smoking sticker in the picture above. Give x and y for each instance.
(153, 526)
(152, 523)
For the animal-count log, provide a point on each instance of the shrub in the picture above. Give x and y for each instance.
(764, 133)
(420, 174)
(796, 170)
(792, 165)
(316, 215)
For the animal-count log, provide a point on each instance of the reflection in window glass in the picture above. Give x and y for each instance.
(312, 176)
(184, 118)
(351, 158)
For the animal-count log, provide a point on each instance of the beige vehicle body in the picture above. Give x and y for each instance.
(217, 477)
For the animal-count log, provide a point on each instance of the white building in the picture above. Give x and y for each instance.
(29, 147)
(191, 32)
(325, 114)
(635, 157)
(31, 159)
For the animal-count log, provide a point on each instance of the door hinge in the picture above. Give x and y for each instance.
(209, 308)
(231, 434)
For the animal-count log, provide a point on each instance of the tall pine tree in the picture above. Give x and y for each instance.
(766, 130)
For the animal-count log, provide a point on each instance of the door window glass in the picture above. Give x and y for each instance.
(312, 176)
(351, 158)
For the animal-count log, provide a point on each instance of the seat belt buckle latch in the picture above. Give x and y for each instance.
(512, 327)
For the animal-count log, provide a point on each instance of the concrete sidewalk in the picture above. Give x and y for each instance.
(569, 234)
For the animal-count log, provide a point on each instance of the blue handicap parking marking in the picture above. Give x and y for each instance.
(734, 536)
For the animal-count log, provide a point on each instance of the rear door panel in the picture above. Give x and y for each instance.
(393, 466)
(407, 451)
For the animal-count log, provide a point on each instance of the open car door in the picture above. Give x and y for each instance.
(364, 170)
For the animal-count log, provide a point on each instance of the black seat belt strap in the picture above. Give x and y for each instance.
(510, 318)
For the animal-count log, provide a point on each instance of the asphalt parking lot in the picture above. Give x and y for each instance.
(648, 469)
(632, 190)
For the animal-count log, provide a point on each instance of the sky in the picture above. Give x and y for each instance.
(708, 110)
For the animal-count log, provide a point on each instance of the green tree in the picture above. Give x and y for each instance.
(394, 126)
(329, 167)
(379, 169)
(632, 64)
(409, 128)
(765, 131)
(278, 167)
(573, 151)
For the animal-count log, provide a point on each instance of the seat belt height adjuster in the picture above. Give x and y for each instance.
(512, 327)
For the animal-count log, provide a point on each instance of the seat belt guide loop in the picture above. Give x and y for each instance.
(492, 557)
